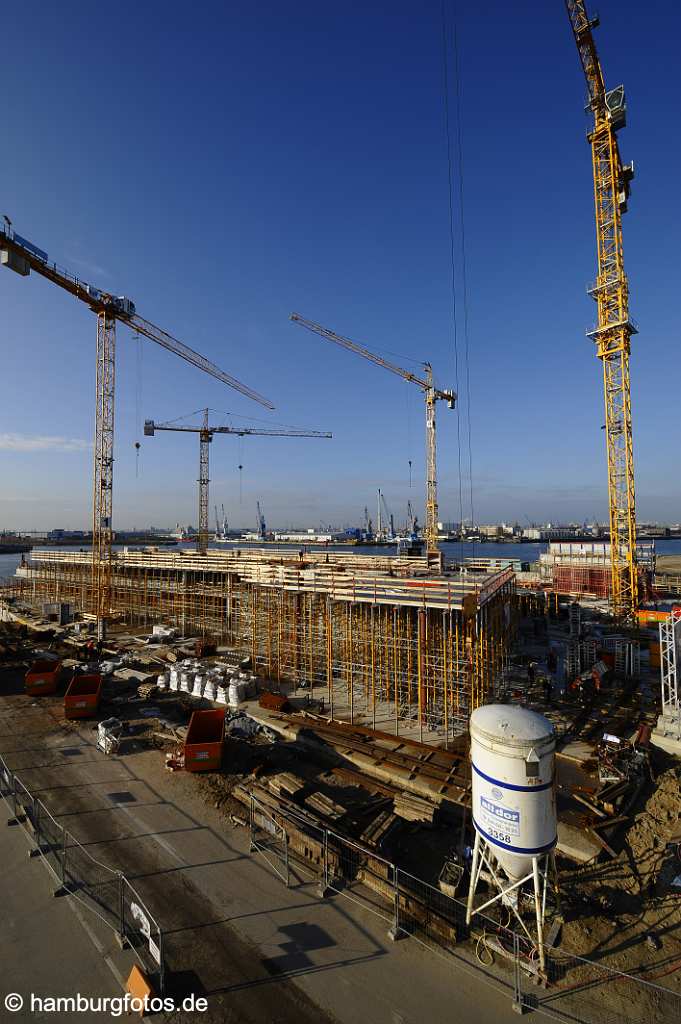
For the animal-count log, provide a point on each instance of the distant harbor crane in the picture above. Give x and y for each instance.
(206, 433)
(431, 394)
(262, 526)
(22, 256)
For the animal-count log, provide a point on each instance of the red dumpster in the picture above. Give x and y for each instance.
(81, 700)
(42, 677)
(204, 741)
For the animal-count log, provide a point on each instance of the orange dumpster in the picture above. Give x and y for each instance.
(204, 741)
(42, 677)
(81, 700)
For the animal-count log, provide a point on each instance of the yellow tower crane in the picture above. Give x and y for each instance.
(614, 329)
(431, 395)
(22, 256)
(206, 433)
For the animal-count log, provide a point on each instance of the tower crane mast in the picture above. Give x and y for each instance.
(206, 433)
(614, 329)
(22, 256)
(431, 395)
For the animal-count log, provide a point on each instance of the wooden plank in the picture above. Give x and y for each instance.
(591, 806)
(602, 843)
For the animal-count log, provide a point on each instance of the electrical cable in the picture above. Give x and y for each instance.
(482, 943)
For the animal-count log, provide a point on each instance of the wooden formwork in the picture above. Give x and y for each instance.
(383, 646)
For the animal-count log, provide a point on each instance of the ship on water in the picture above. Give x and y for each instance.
(183, 533)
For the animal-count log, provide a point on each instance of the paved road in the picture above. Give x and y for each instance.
(44, 948)
(257, 949)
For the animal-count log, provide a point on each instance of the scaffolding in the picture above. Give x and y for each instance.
(670, 657)
(384, 642)
(584, 569)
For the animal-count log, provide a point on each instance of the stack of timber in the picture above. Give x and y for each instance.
(308, 844)
(325, 807)
(285, 784)
(440, 777)
(380, 830)
(412, 808)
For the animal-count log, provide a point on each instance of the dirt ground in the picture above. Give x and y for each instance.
(621, 912)
(624, 910)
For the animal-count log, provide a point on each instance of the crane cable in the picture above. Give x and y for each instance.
(455, 309)
(450, 198)
(138, 400)
(464, 274)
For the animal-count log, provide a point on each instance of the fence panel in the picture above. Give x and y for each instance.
(269, 838)
(142, 933)
(430, 915)
(586, 990)
(6, 783)
(361, 876)
(24, 807)
(51, 840)
(83, 874)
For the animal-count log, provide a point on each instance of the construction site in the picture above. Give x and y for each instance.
(382, 641)
(252, 765)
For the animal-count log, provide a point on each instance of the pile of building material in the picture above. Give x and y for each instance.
(285, 784)
(413, 808)
(325, 807)
(598, 785)
(440, 777)
(380, 830)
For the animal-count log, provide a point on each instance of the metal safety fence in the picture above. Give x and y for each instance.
(268, 838)
(142, 932)
(77, 873)
(569, 989)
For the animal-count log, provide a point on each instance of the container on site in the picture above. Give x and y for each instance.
(651, 616)
(273, 701)
(81, 700)
(42, 677)
(204, 741)
(513, 800)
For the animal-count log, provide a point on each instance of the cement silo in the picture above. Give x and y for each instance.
(513, 806)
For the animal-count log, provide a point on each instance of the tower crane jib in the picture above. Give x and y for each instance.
(22, 256)
(431, 396)
(206, 432)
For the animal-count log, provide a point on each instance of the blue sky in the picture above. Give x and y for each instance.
(225, 164)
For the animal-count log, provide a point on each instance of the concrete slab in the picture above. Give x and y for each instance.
(576, 844)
